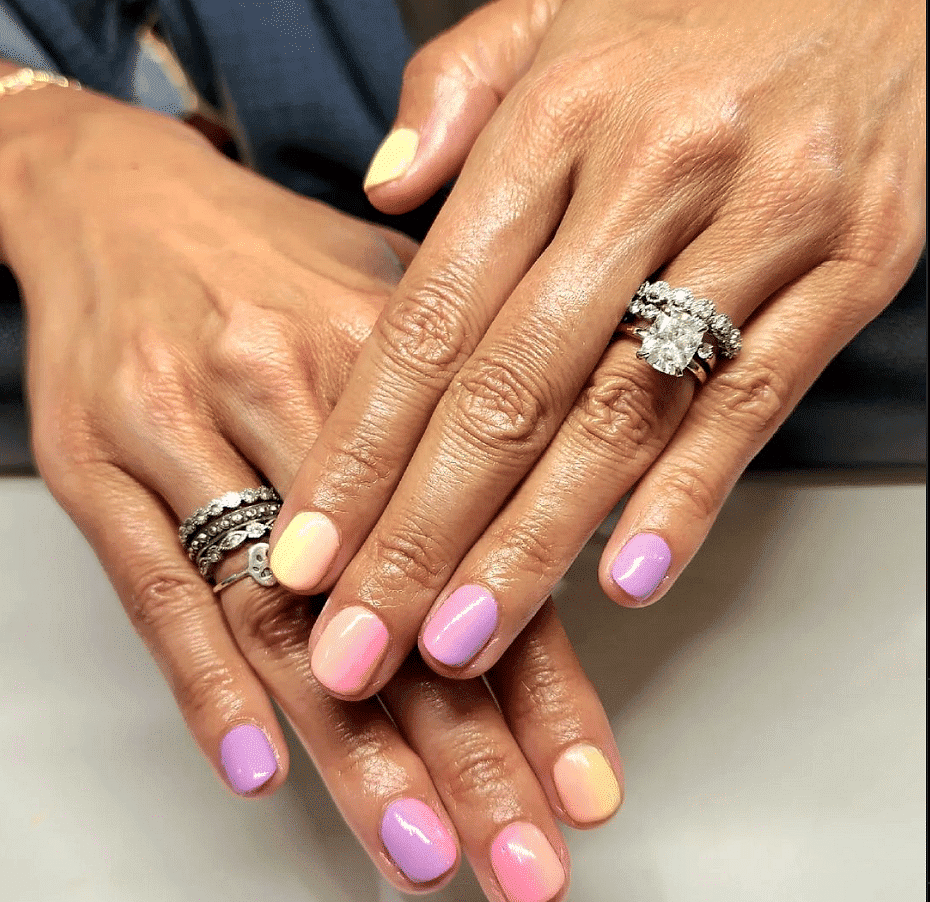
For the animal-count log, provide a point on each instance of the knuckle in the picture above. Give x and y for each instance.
(159, 598)
(688, 136)
(620, 412)
(527, 547)
(804, 180)
(548, 694)
(560, 101)
(753, 400)
(691, 482)
(411, 555)
(153, 382)
(259, 355)
(356, 463)
(211, 687)
(270, 621)
(479, 767)
(424, 331)
(367, 750)
(497, 406)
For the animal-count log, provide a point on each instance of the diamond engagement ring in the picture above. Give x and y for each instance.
(680, 332)
(224, 525)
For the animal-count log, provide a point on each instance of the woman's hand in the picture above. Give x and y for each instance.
(190, 326)
(769, 156)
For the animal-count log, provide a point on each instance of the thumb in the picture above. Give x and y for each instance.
(451, 88)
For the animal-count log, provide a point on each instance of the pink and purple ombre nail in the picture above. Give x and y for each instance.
(641, 565)
(461, 626)
(248, 758)
(417, 840)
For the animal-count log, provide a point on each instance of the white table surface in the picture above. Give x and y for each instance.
(770, 712)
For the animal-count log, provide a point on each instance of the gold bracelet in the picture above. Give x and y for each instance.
(27, 79)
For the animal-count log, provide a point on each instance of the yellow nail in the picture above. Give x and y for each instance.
(586, 784)
(305, 551)
(393, 157)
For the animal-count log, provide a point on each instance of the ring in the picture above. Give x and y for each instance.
(258, 569)
(224, 525)
(682, 333)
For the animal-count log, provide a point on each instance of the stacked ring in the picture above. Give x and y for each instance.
(225, 524)
(681, 332)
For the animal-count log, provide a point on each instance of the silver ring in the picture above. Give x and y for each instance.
(257, 568)
(680, 332)
(225, 524)
(228, 501)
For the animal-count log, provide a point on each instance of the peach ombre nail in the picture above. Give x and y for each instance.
(526, 866)
(305, 551)
(349, 650)
(586, 783)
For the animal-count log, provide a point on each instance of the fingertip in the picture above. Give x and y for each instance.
(252, 764)
(636, 575)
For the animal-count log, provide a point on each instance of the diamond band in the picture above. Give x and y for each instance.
(225, 524)
(683, 332)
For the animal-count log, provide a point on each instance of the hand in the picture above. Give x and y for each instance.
(190, 325)
(769, 156)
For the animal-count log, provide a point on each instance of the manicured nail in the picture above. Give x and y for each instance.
(461, 626)
(641, 565)
(586, 783)
(247, 758)
(526, 866)
(393, 158)
(305, 551)
(349, 649)
(417, 840)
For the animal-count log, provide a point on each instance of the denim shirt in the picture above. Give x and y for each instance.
(310, 86)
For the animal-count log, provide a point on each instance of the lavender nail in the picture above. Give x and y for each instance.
(461, 626)
(417, 840)
(247, 758)
(641, 565)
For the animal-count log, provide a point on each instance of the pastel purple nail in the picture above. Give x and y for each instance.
(247, 758)
(641, 565)
(461, 626)
(417, 840)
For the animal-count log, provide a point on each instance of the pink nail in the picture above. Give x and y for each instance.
(526, 865)
(349, 650)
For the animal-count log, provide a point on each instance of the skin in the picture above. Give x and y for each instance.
(769, 156)
(190, 326)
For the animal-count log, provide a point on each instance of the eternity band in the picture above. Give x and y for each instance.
(677, 331)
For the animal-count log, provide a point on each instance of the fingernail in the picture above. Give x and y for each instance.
(248, 758)
(526, 866)
(461, 626)
(641, 565)
(393, 158)
(305, 551)
(349, 649)
(586, 783)
(417, 840)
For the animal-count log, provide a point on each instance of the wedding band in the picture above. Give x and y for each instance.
(225, 524)
(226, 502)
(257, 568)
(679, 332)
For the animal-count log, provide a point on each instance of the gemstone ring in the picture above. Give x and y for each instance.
(681, 333)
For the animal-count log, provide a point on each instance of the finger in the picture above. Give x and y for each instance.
(225, 706)
(482, 243)
(558, 720)
(451, 88)
(620, 422)
(381, 787)
(505, 823)
(735, 414)
(497, 417)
